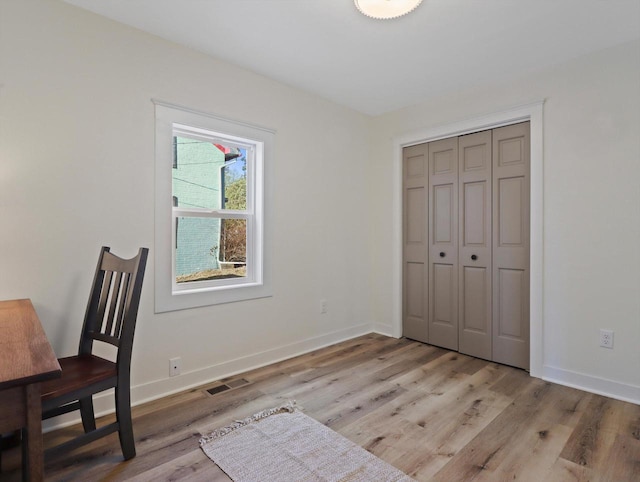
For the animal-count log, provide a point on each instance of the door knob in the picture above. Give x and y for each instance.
(442, 254)
(474, 257)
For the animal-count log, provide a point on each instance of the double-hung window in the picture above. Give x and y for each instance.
(211, 237)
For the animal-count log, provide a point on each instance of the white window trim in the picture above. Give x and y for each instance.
(198, 294)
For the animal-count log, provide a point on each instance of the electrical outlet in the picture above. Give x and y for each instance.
(323, 306)
(606, 338)
(175, 365)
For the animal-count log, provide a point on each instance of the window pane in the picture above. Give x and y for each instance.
(210, 248)
(234, 181)
(233, 241)
(209, 175)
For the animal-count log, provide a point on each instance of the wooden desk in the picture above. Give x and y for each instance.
(26, 359)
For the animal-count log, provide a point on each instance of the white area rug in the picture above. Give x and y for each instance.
(284, 445)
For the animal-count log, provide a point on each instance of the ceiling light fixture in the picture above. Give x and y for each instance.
(386, 9)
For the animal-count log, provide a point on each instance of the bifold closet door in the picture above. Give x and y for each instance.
(415, 270)
(511, 245)
(474, 254)
(443, 246)
(466, 244)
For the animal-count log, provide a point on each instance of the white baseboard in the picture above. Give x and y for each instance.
(383, 329)
(146, 392)
(600, 386)
(167, 386)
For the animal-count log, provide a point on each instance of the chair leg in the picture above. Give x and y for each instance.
(25, 454)
(123, 415)
(86, 412)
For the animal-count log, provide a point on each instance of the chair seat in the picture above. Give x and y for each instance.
(78, 372)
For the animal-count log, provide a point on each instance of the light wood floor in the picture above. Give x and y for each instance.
(434, 414)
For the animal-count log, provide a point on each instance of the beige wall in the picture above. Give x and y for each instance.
(77, 169)
(591, 196)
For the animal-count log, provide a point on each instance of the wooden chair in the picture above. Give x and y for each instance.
(110, 318)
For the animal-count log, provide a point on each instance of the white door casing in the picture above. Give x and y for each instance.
(530, 112)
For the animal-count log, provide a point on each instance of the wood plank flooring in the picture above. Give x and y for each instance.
(434, 414)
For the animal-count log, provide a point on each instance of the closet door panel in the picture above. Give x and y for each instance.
(511, 316)
(511, 199)
(443, 249)
(511, 245)
(444, 216)
(415, 272)
(473, 301)
(444, 291)
(476, 199)
(415, 304)
(416, 222)
(475, 256)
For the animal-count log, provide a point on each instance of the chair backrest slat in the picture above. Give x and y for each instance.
(124, 297)
(104, 298)
(107, 325)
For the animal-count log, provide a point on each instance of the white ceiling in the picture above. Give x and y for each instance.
(328, 48)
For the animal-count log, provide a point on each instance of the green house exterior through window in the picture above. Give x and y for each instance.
(201, 171)
(197, 184)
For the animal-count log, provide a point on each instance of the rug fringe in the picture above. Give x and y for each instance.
(290, 407)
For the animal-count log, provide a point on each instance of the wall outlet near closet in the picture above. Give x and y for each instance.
(606, 338)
